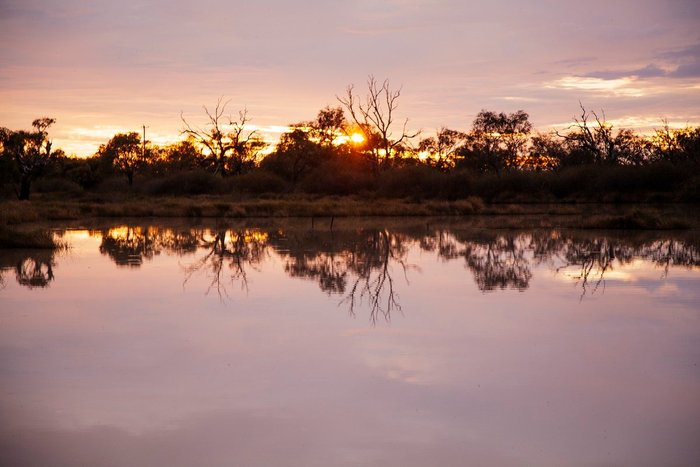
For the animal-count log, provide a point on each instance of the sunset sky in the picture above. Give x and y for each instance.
(102, 67)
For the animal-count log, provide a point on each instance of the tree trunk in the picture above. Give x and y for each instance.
(24, 186)
(130, 176)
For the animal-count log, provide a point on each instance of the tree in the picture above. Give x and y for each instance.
(598, 143)
(183, 155)
(295, 155)
(125, 152)
(676, 145)
(375, 118)
(329, 124)
(546, 152)
(231, 147)
(29, 151)
(497, 140)
(442, 148)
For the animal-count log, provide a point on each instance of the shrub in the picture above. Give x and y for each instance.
(57, 185)
(257, 181)
(196, 182)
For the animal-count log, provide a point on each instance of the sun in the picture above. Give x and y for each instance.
(357, 138)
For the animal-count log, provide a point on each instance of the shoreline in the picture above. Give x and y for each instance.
(629, 216)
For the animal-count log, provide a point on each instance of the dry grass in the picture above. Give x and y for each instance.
(14, 239)
(589, 216)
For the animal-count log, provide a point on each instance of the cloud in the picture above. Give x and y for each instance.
(649, 71)
(688, 70)
(618, 87)
(686, 61)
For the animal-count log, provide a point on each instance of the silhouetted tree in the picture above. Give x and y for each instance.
(125, 152)
(231, 147)
(678, 145)
(30, 152)
(295, 155)
(598, 143)
(374, 117)
(497, 141)
(180, 156)
(546, 153)
(330, 123)
(442, 148)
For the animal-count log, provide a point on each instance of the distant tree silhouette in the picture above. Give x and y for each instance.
(496, 141)
(679, 145)
(598, 143)
(125, 152)
(29, 151)
(443, 147)
(328, 125)
(181, 156)
(546, 152)
(231, 146)
(295, 156)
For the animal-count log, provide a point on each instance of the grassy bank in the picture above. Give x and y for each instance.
(13, 238)
(587, 216)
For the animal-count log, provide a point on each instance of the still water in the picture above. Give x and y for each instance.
(376, 342)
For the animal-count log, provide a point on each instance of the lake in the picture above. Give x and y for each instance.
(359, 342)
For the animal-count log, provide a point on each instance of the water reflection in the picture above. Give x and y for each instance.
(32, 268)
(494, 362)
(230, 252)
(357, 264)
(366, 265)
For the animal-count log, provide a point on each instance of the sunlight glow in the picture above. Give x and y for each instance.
(357, 138)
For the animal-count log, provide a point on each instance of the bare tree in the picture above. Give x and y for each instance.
(230, 145)
(600, 144)
(374, 116)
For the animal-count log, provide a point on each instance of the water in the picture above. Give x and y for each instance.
(379, 342)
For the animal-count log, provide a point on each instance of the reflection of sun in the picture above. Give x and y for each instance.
(357, 138)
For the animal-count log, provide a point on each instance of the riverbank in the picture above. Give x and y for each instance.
(571, 215)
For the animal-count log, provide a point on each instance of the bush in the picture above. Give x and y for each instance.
(196, 182)
(257, 181)
(56, 185)
(336, 179)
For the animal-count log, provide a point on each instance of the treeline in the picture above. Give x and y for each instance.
(359, 148)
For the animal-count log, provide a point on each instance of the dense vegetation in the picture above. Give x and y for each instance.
(359, 149)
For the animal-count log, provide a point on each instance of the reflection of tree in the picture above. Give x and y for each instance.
(372, 266)
(357, 264)
(228, 250)
(593, 257)
(497, 261)
(35, 271)
(597, 255)
(32, 268)
(130, 245)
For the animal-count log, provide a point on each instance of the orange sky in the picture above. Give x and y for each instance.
(104, 67)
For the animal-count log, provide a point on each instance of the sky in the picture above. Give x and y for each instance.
(103, 67)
